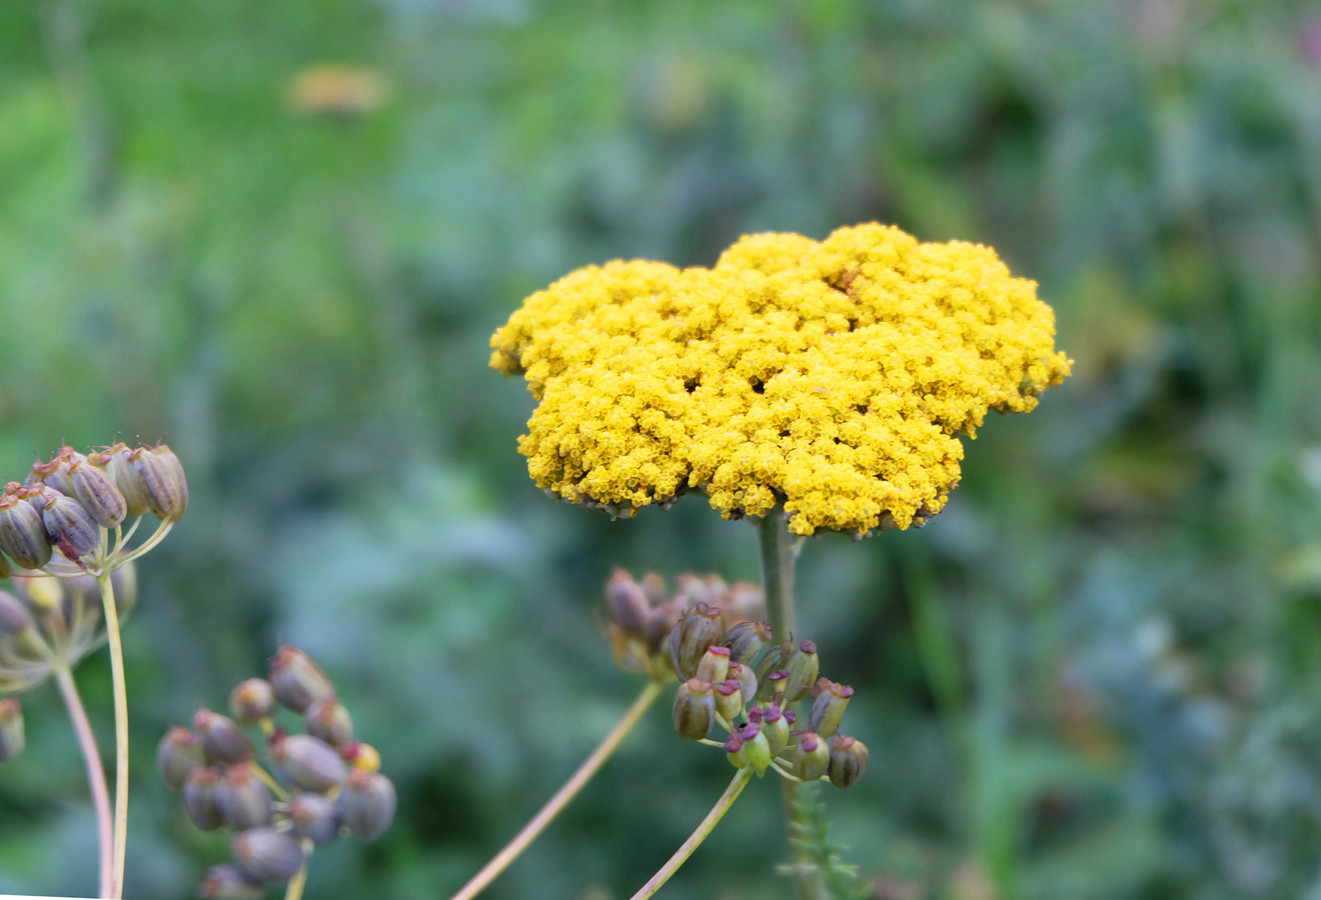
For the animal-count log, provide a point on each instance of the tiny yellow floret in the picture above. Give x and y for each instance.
(833, 377)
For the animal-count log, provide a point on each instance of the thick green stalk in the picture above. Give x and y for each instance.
(562, 797)
(121, 734)
(778, 552)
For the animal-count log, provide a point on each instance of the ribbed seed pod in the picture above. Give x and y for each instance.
(828, 708)
(746, 639)
(115, 461)
(756, 750)
(199, 798)
(694, 709)
(56, 472)
(809, 757)
(243, 800)
(229, 882)
(729, 699)
(23, 536)
(775, 725)
(626, 602)
(747, 680)
(713, 666)
(268, 855)
(307, 762)
(97, 492)
(164, 486)
(179, 753)
(366, 804)
(329, 720)
(848, 760)
(222, 739)
(314, 817)
(698, 629)
(297, 680)
(803, 667)
(12, 736)
(69, 525)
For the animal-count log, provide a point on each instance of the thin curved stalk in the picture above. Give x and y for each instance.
(567, 792)
(121, 734)
(95, 774)
(699, 834)
(295, 889)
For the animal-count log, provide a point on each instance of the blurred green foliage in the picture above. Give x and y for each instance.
(1095, 675)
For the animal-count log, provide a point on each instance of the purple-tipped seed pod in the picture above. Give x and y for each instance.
(252, 701)
(329, 720)
(803, 667)
(848, 760)
(694, 709)
(698, 629)
(307, 762)
(828, 708)
(314, 817)
(199, 798)
(97, 492)
(69, 525)
(179, 753)
(809, 757)
(229, 882)
(161, 476)
(713, 665)
(366, 804)
(115, 461)
(297, 680)
(268, 855)
(746, 639)
(243, 800)
(222, 739)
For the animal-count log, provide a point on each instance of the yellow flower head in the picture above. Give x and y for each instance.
(833, 377)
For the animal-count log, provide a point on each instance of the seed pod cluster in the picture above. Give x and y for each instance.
(733, 674)
(61, 517)
(316, 785)
(643, 616)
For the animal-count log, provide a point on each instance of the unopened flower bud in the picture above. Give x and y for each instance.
(297, 680)
(627, 602)
(164, 486)
(179, 753)
(229, 882)
(698, 629)
(809, 757)
(70, 526)
(12, 737)
(252, 701)
(314, 817)
(729, 699)
(97, 493)
(848, 760)
(828, 708)
(775, 725)
(243, 799)
(746, 639)
(329, 720)
(803, 668)
(268, 855)
(714, 665)
(222, 739)
(23, 536)
(199, 798)
(366, 804)
(307, 762)
(694, 709)
(654, 587)
(747, 680)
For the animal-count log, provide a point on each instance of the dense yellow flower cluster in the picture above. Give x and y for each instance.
(831, 376)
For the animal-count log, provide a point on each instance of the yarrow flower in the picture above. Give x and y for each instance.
(832, 377)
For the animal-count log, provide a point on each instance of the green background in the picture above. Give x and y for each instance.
(1095, 675)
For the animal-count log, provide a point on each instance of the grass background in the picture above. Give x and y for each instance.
(1096, 675)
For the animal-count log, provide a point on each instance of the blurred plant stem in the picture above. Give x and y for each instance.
(704, 828)
(567, 792)
(121, 734)
(779, 550)
(295, 889)
(95, 775)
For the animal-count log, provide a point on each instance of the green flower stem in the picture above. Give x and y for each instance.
(778, 552)
(295, 889)
(95, 773)
(567, 792)
(695, 839)
(121, 735)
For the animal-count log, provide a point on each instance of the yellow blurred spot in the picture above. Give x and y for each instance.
(336, 89)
